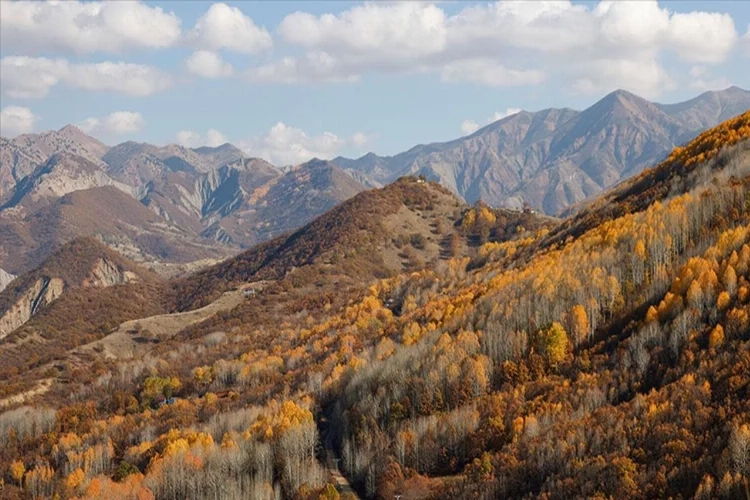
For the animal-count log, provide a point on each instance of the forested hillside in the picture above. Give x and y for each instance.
(603, 356)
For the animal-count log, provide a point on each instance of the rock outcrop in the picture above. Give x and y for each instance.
(5, 279)
(106, 273)
(42, 292)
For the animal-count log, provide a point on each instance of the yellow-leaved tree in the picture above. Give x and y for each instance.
(17, 471)
(553, 343)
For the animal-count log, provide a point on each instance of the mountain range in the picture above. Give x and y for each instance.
(554, 158)
(153, 204)
(172, 204)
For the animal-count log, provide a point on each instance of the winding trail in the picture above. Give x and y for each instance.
(341, 482)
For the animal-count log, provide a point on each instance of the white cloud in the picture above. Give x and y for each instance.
(315, 67)
(702, 37)
(85, 27)
(485, 71)
(541, 26)
(372, 33)
(701, 80)
(15, 120)
(469, 127)
(490, 44)
(643, 76)
(30, 78)
(225, 27)
(746, 40)
(360, 139)
(719, 83)
(284, 145)
(208, 65)
(499, 115)
(191, 139)
(117, 123)
(699, 71)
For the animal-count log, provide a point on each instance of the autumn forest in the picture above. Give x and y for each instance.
(407, 345)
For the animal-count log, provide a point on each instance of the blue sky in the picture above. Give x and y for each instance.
(291, 80)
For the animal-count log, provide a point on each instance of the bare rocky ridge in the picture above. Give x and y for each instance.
(554, 158)
(187, 204)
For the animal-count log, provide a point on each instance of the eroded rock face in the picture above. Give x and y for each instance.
(105, 274)
(43, 292)
(5, 279)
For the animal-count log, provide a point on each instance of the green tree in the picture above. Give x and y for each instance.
(553, 343)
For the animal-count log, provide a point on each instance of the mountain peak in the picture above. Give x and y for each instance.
(71, 129)
(621, 95)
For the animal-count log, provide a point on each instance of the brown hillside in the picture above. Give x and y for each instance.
(96, 289)
(348, 240)
(105, 212)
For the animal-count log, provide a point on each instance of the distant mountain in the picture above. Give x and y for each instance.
(554, 158)
(177, 204)
(109, 214)
(302, 193)
(19, 157)
(61, 174)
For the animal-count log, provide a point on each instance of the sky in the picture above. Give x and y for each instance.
(288, 81)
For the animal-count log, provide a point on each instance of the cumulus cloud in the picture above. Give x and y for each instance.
(702, 80)
(383, 34)
(644, 76)
(190, 139)
(32, 78)
(117, 123)
(285, 145)
(16, 120)
(468, 127)
(719, 83)
(704, 37)
(85, 27)
(315, 67)
(492, 44)
(225, 27)
(208, 65)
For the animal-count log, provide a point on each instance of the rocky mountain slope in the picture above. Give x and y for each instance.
(203, 203)
(19, 157)
(554, 158)
(75, 296)
(112, 216)
(81, 263)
